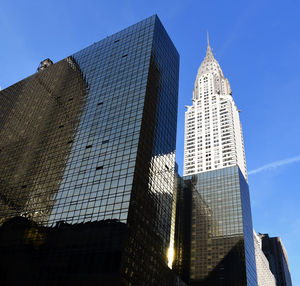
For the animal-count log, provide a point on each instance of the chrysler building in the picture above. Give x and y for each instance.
(213, 133)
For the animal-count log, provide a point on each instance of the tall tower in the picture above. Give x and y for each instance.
(221, 239)
(87, 161)
(213, 133)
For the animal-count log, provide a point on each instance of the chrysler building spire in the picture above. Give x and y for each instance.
(209, 53)
(213, 133)
(210, 64)
(207, 38)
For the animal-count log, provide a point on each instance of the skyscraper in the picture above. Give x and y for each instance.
(221, 242)
(265, 276)
(213, 133)
(87, 159)
(275, 252)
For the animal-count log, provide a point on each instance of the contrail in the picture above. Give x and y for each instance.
(275, 165)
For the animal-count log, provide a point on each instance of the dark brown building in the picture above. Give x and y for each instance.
(87, 160)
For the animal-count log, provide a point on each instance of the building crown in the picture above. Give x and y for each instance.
(209, 64)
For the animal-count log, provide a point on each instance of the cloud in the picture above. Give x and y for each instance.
(275, 165)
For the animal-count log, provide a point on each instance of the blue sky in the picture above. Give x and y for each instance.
(257, 44)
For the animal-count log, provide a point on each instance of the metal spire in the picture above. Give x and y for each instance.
(207, 38)
(209, 54)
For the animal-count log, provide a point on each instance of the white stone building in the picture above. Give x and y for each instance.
(213, 133)
(264, 275)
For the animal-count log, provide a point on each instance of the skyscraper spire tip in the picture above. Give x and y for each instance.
(207, 38)
(208, 51)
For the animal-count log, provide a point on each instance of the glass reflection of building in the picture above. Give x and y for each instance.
(38, 124)
(184, 190)
(87, 150)
(222, 249)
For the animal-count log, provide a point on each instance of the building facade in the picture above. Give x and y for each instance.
(276, 254)
(213, 132)
(264, 275)
(221, 245)
(87, 159)
(182, 239)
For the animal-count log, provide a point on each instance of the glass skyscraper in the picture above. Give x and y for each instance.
(87, 160)
(222, 248)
